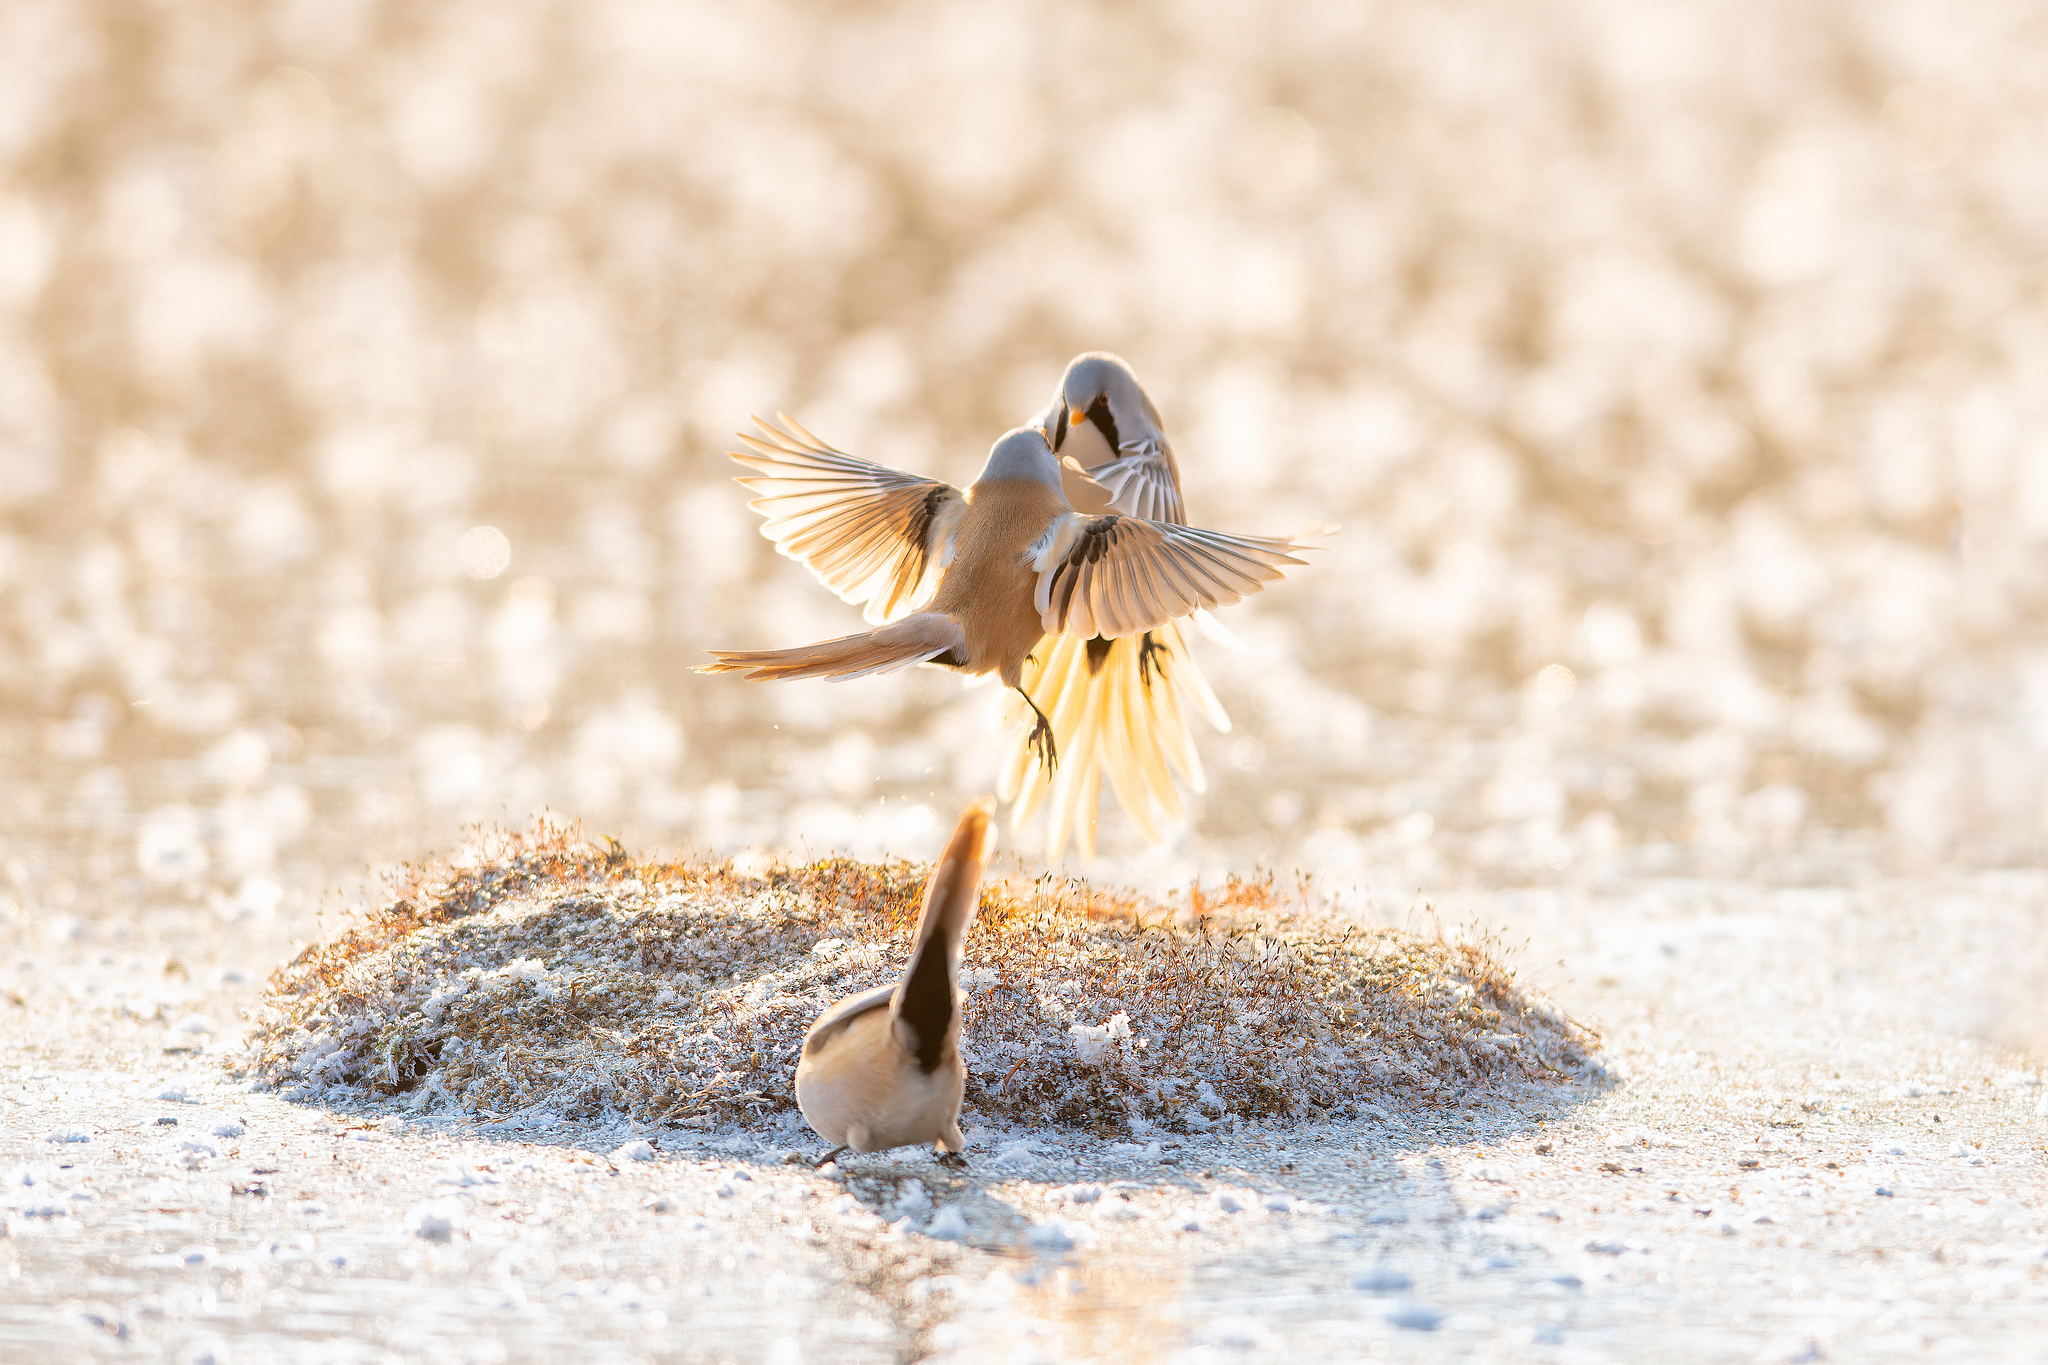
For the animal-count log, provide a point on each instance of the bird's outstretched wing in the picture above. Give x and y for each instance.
(870, 533)
(1117, 576)
(1140, 482)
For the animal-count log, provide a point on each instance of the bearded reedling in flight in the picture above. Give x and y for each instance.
(882, 1069)
(1116, 705)
(972, 580)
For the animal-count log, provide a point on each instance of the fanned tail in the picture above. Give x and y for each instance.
(1119, 709)
(913, 640)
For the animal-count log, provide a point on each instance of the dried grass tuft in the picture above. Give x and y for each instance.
(547, 972)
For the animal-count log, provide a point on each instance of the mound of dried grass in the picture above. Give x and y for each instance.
(547, 973)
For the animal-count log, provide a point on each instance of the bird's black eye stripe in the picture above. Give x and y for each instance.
(1098, 413)
(1059, 428)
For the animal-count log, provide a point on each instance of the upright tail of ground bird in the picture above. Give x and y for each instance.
(882, 1069)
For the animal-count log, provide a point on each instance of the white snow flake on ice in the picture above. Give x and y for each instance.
(437, 1004)
(1016, 1153)
(1416, 1317)
(634, 1151)
(435, 1221)
(1236, 1334)
(948, 1225)
(1100, 1044)
(227, 1128)
(1232, 1201)
(1053, 1237)
(68, 1132)
(1382, 1280)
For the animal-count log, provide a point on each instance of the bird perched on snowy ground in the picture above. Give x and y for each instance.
(882, 1069)
(972, 580)
(1116, 705)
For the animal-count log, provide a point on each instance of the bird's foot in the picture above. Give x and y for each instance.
(826, 1160)
(953, 1161)
(1152, 657)
(1042, 745)
(1041, 735)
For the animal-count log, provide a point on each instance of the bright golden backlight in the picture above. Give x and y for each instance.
(367, 374)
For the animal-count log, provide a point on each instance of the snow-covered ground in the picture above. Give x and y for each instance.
(1809, 1157)
(1676, 372)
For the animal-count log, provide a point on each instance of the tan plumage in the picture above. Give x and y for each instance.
(1119, 707)
(914, 639)
(871, 534)
(1007, 561)
(882, 1069)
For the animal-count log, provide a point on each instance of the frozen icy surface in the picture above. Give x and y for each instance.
(1761, 1183)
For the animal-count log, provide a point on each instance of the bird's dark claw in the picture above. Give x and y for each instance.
(1041, 735)
(1042, 744)
(953, 1161)
(1152, 657)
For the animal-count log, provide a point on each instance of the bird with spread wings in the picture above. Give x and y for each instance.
(978, 579)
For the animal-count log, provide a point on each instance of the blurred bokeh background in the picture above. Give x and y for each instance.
(1678, 372)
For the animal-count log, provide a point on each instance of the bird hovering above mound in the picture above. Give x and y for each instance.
(972, 580)
(882, 1069)
(1116, 705)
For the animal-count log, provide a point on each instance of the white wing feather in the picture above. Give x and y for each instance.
(870, 533)
(1116, 576)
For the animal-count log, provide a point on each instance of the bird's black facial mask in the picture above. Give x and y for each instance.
(1098, 413)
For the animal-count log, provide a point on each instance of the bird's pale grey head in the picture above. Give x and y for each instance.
(1022, 454)
(1100, 388)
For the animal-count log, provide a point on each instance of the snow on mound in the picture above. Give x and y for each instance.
(547, 973)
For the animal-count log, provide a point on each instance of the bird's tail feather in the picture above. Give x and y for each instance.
(1122, 714)
(924, 1010)
(950, 895)
(913, 640)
